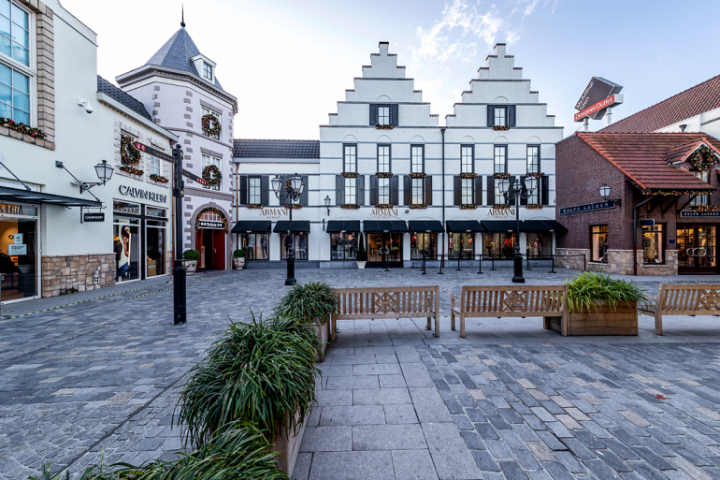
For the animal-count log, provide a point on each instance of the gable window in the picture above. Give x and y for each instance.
(154, 166)
(15, 73)
(207, 111)
(208, 160)
(350, 191)
(466, 159)
(700, 200)
(207, 71)
(533, 159)
(500, 116)
(417, 155)
(500, 159)
(383, 188)
(350, 158)
(383, 114)
(254, 190)
(383, 154)
(467, 191)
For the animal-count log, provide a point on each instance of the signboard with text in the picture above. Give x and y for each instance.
(599, 90)
(699, 214)
(590, 207)
(194, 177)
(153, 152)
(89, 217)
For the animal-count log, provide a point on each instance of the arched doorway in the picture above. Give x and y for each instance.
(211, 229)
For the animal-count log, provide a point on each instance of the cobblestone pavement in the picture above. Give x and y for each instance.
(101, 375)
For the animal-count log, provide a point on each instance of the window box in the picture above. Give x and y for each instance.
(501, 175)
(383, 127)
(418, 175)
(418, 206)
(22, 128)
(468, 206)
(468, 175)
(132, 170)
(501, 128)
(254, 206)
(350, 174)
(536, 175)
(384, 205)
(501, 205)
(294, 206)
(158, 178)
(349, 206)
(384, 174)
(704, 208)
(534, 206)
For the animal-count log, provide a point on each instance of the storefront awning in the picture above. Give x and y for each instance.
(546, 225)
(426, 226)
(381, 226)
(8, 194)
(296, 226)
(459, 226)
(504, 226)
(252, 226)
(338, 226)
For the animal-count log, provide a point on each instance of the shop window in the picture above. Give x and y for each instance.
(155, 212)
(417, 159)
(301, 246)
(500, 159)
(208, 160)
(538, 244)
(383, 188)
(343, 246)
(18, 253)
(351, 191)
(499, 245)
(383, 158)
(207, 111)
(126, 245)
(126, 207)
(350, 158)
(256, 246)
(700, 200)
(598, 243)
(391, 241)
(423, 243)
(155, 241)
(461, 245)
(653, 245)
(255, 190)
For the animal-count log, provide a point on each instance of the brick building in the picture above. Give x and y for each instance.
(670, 178)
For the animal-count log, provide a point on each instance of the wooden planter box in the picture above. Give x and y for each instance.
(606, 320)
(322, 330)
(288, 447)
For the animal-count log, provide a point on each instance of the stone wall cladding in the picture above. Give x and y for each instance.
(619, 261)
(64, 274)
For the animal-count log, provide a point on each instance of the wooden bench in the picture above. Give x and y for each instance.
(391, 302)
(510, 301)
(685, 300)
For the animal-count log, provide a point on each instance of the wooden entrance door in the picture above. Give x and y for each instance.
(697, 249)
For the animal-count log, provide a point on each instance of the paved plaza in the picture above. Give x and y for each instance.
(98, 372)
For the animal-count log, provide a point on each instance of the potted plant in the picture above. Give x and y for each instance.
(361, 257)
(314, 303)
(239, 258)
(191, 257)
(600, 305)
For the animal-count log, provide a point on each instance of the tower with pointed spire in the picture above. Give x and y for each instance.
(179, 87)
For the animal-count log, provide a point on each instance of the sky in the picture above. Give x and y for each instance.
(289, 61)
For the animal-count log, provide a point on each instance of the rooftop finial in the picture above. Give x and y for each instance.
(182, 22)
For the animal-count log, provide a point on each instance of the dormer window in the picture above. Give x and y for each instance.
(208, 71)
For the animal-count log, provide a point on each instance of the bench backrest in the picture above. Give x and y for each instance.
(387, 301)
(689, 299)
(548, 300)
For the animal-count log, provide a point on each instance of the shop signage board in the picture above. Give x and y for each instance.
(597, 91)
(89, 217)
(153, 152)
(599, 107)
(194, 177)
(274, 213)
(590, 207)
(699, 214)
(211, 224)
(384, 212)
(501, 212)
(140, 193)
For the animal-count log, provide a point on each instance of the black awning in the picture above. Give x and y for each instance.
(338, 226)
(423, 226)
(252, 226)
(381, 226)
(296, 226)
(459, 226)
(504, 226)
(26, 196)
(546, 225)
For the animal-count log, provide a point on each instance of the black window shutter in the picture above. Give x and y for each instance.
(506, 159)
(511, 191)
(394, 115)
(457, 193)
(373, 114)
(305, 194)
(373, 190)
(407, 189)
(491, 190)
(395, 190)
(490, 116)
(265, 189)
(478, 190)
(243, 189)
(339, 189)
(428, 190)
(360, 195)
(545, 190)
(523, 200)
(511, 115)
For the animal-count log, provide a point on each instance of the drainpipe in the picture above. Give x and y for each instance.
(635, 210)
(442, 256)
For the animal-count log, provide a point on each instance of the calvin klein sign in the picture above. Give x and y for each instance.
(142, 194)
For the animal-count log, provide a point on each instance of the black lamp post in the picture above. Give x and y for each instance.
(179, 270)
(515, 195)
(291, 191)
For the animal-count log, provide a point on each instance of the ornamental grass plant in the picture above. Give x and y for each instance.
(262, 372)
(309, 301)
(587, 287)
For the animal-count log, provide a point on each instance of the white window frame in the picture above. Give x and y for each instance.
(30, 70)
(351, 191)
(500, 120)
(500, 167)
(383, 158)
(533, 160)
(155, 162)
(207, 68)
(207, 111)
(210, 160)
(350, 158)
(467, 191)
(466, 158)
(383, 190)
(383, 119)
(418, 191)
(701, 200)
(254, 190)
(417, 154)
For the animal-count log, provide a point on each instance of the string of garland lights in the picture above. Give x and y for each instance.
(22, 128)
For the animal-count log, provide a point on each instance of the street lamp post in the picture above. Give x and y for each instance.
(515, 194)
(290, 191)
(179, 270)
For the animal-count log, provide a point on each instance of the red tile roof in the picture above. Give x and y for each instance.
(694, 101)
(643, 157)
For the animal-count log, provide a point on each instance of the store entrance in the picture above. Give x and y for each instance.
(393, 243)
(18, 258)
(697, 252)
(211, 245)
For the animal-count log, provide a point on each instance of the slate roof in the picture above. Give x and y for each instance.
(252, 148)
(694, 101)
(124, 98)
(643, 157)
(177, 52)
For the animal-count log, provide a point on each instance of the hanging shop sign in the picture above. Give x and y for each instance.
(384, 212)
(699, 214)
(89, 217)
(599, 94)
(590, 207)
(153, 152)
(143, 194)
(502, 212)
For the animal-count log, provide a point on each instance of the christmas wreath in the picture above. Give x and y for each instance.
(703, 158)
(211, 174)
(211, 124)
(128, 153)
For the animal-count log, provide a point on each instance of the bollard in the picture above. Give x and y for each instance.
(480, 264)
(493, 262)
(424, 262)
(552, 270)
(528, 262)
(459, 257)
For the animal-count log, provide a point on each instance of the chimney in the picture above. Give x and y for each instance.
(500, 50)
(683, 127)
(384, 46)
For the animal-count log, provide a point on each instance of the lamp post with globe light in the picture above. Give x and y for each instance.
(288, 192)
(513, 193)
